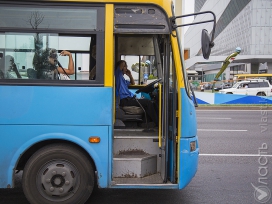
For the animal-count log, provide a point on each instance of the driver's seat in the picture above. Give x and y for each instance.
(125, 114)
(132, 113)
(128, 113)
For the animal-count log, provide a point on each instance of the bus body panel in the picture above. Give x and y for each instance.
(28, 135)
(55, 105)
(57, 120)
(187, 115)
(188, 159)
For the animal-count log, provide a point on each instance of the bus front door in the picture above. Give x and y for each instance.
(168, 117)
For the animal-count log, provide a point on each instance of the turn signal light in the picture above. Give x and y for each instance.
(94, 139)
(192, 146)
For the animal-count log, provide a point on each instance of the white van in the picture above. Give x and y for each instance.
(254, 87)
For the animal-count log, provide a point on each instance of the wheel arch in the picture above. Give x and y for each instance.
(56, 170)
(25, 156)
(35, 147)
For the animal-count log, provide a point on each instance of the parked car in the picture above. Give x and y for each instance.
(257, 87)
(227, 85)
(222, 86)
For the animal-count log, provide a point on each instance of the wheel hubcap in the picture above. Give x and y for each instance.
(57, 179)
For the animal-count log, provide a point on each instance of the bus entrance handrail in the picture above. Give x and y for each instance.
(160, 114)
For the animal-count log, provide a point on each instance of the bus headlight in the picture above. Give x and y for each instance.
(192, 146)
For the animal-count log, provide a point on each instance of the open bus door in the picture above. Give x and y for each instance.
(168, 114)
(162, 140)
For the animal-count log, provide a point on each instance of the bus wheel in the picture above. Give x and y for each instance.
(58, 173)
(229, 93)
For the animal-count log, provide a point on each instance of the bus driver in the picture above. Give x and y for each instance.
(127, 97)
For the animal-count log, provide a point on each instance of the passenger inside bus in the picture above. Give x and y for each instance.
(11, 67)
(53, 59)
(127, 98)
(54, 67)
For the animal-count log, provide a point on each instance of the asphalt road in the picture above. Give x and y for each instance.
(235, 156)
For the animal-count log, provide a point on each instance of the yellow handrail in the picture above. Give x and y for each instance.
(160, 114)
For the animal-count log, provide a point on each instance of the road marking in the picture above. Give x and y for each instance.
(214, 118)
(218, 130)
(236, 155)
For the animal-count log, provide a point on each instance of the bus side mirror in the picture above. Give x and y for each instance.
(206, 41)
(206, 44)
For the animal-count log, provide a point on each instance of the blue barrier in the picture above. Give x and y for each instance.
(217, 98)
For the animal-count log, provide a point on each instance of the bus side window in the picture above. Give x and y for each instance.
(29, 59)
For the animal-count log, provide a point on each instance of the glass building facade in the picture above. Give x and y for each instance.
(244, 23)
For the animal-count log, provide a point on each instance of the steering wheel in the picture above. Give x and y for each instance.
(149, 87)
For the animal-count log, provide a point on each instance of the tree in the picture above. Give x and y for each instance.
(40, 59)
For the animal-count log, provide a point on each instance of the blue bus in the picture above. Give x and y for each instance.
(69, 136)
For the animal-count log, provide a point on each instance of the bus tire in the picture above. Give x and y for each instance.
(58, 173)
(229, 93)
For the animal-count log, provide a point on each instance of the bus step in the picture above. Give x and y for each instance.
(134, 166)
(119, 124)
